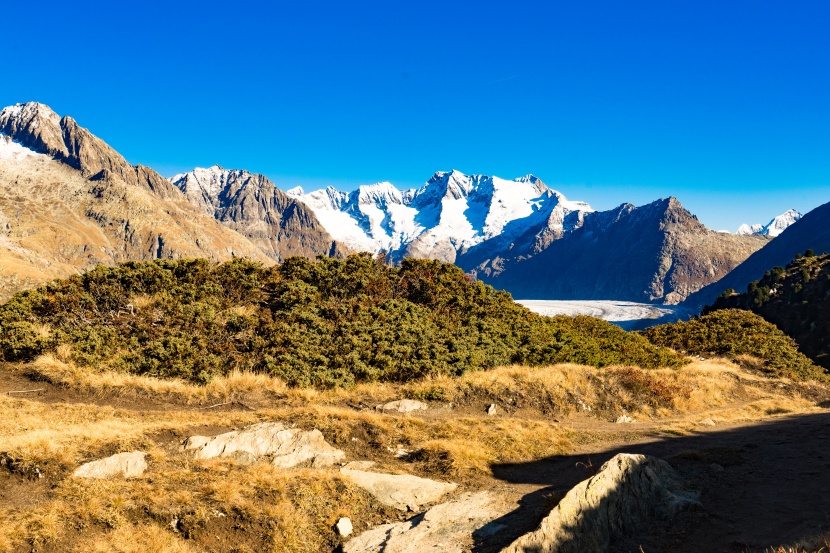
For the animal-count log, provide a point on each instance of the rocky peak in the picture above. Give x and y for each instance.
(39, 128)
(253, 206)
(35, 126)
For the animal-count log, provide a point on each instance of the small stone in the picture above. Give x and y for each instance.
(624, 419)
(707, 422)
(344, 527)
(401, 491)
(127, 465)
(491, 410)
(716, 467)
(403, 406)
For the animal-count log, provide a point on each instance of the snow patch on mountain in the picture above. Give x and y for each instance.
(13, 150)
(451, 208)
(775, 227)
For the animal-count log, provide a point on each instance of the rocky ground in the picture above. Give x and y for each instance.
(753, 462)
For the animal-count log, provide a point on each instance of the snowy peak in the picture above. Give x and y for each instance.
(380, 194)
(207, 187)
(775, 227)
(35, 126)
(451, 212)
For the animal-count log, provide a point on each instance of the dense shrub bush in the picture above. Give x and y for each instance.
(733, 332)
(325, 323)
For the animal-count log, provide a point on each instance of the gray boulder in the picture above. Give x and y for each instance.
(627, 494)
(403, 406)
(285, 447)
(126, 465)
(401, 491)
(447, 528)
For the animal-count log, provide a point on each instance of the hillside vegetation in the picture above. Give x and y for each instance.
(795, 298)
(326, 323)
(736, 332)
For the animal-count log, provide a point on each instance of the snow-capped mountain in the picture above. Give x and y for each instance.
(448, 215)
(773, 228)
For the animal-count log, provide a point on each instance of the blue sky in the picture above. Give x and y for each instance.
(725, 105)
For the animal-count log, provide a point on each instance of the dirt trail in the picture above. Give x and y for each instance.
(762, 485)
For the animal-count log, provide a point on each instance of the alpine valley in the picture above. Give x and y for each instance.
(68, 202)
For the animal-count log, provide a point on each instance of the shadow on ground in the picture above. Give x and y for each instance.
(761, 486)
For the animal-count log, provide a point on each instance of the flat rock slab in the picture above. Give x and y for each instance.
(403, 406)
(629, 493)
(401, 491)
(447, 528)
(285, 447)
(126, 465)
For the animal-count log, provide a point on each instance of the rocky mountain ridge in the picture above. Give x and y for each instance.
(68, 202)
(494, 228)
(451, 213)
(810, 232)
(253, 206)
(658, 252)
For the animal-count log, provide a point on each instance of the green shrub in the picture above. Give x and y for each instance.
(733, 332)
(325, 323)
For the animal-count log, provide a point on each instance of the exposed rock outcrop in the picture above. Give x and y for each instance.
(447, 527)
(627, 494)
(401, 491)
(284, 447)
(403, 406)
(127, 465)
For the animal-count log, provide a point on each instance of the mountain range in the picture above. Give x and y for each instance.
(775, 227)
(68, 201)
(522, 236)
(810, 232)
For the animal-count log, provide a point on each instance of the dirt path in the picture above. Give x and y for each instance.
(762, 485)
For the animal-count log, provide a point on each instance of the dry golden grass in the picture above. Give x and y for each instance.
(136, 538)
(815, 544)
(57, 369)
(295, 510)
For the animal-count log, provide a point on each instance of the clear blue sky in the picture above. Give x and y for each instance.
(725, 105)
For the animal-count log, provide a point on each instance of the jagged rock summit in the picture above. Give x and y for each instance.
(37, 127)
(253, 206)
(451, 213)
(658, 252)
